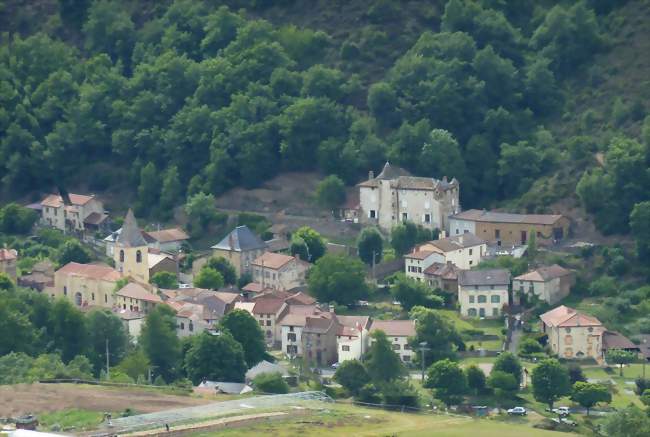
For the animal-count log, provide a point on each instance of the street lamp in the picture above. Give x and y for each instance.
(423, 348)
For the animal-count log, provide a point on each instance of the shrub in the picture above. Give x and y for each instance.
(270, 383)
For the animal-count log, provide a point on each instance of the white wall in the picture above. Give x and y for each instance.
(285, 342)
(457, 227)
(468, 293)
(354, 346)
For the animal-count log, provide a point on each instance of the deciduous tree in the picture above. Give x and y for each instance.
(588, 394)
(246, 330)
(448, 381)
(550, 381)
(338, 278)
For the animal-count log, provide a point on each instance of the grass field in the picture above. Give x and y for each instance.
(73, 419)
(347, 420)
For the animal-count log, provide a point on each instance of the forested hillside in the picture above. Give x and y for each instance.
(171, 98)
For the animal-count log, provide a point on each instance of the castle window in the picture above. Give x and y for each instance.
(373, 213)
(482, 298)
(138, 257)
(121, 256)
(427, 218)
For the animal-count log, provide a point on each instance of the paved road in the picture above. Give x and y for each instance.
(515, 338)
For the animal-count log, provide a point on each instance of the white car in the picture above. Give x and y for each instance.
(181, 286)
(517, 411)
(336, 365)
(562, 411)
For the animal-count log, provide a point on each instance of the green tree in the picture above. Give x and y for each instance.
(171, 191)
(109, 30)
(352, 375)
(370, 245)
(338, 278)
(201, 212)
(270, 383)
(620, 358)
(23, 334)
(630, 421)
(403, 237)
(435, 329)
(441, 155)
(330, 192)
(640, 227)
(164, 280)
(550, 381)
(382, 102)
(103, 327)
(79, 367)
(225, 267)
(73, 251)
(246, 330)
(14, 367)
(588, 394)
(149, 188)
(508, 363)
(16, 220)
(504, 385)
(530, 346)
(475, 378)
(575, 373)
(6, 283)
(69, 330)
(308, 243)
(208, 278)
(410, 293)
(215, 358)
(136, 365)
(448, 381)
(382, 363)
(159, 341)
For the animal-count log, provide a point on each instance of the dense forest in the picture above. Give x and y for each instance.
(172, 98)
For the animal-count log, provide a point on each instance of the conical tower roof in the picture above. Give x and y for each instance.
(130, 235)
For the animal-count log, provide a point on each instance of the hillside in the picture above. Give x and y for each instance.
(152, 102)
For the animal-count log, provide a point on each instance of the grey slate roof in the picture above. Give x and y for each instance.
(392, 172)
(130, 235)
(478, 215)
(484, 277)
(240, 239)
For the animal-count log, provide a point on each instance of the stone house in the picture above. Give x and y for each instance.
(353, 338)
(279, 272)
(241, 247)
(161, 262)
(166, 240)
(132, 322)
(292, 323)
(319, 339)
(550, 284)
(77, 213)
(135, 297)
(398, 332)
(41, 278)
(572, 334)
(443, 277)
(86, 284)
(501, 228)
(8, 261)
(394, 196)
(483, 293)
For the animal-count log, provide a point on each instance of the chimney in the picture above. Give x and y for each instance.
(449, 263)
(444, 179)
(371, 175)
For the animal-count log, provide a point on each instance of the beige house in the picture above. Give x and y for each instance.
(278, 271)
(319, 339)
(572, 334)
(166, 240)
(131, 254)
(241, 247)
(8, 260)
(161, 262)
(137, 298)
(86, 284)
(443, 277)
(483, 293)
(398, 332)
(502, 228)
(292, 322)
(78, 213)
(132, 322)
(464, 251)
(550, 284)
(394, 196)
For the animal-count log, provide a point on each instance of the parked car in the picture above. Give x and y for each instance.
(182, 286)
(517, 411)
(336, 365)
(562, 411)
(563, 421)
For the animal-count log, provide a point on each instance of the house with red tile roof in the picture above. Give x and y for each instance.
(353, 338)
(398, 333)
(573, 334)
(550, 284)
(279, 272)
(137, 298)
(86, 284)
(75, 212)
(8, 260)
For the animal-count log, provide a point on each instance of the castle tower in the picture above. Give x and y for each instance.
(131, 251)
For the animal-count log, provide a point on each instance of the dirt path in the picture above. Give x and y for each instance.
(38, 398)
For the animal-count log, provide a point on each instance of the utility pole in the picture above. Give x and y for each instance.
(108, 370)
(374, 253)
(423, 348)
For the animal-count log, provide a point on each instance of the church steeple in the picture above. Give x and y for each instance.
(131, 236)
(131, 251)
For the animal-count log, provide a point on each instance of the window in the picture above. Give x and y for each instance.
(268, 323)
(405, 216)
(182, 326)
(406, 358)
(471, 312)
(471, 251)
(495, 312)
(65, 290)
(92, 295)
(290, 328)
(77, 298)
(373, 214)
(138, 257)
(471, 299)
(568, 340)
(471, 262)
(261, 322)
(568, 330)
(427, 218)
(121, 256)
(105, 298)
(269, 334)
(191, 326)
(407, 347)
(345, 348)
(482, 298)
(495, 298)
(476, 287)
(497, 233)
(396, 347)
(291, 337)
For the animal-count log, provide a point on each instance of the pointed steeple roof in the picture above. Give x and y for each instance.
(131, 236)
(392, 172)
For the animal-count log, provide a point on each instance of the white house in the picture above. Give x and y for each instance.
(394, 196)
(416, 262)
(464, 251)
(483, 293)
(353, 338)
(398, 332)
(75, 213)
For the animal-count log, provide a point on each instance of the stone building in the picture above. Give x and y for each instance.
(550, 284)
(76, 213)
(572, 334)
(483, 293)
(86, 284)
(8, 260)
(241, 247)
(131, 254)
(394, 196)
(279, 272)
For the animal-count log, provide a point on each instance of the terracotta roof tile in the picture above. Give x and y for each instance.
(394, 328)
(8, 254)
(564, 316)
(273, 260)
(478, 215)
(94, 271)
(168, 235)
(134, 290)
(544, 274)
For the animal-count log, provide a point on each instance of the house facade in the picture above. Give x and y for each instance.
(572, 334)
(394, 196)
(8, 262)
(550, 284)
(136, 298)
(483, 293)
(166, 240)
(398, 333)
(278, 271)
(443, 277)
(86, 284)
(353, 338)
(502, 228)
(75, 214)
(465, 251)
(241, 247)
